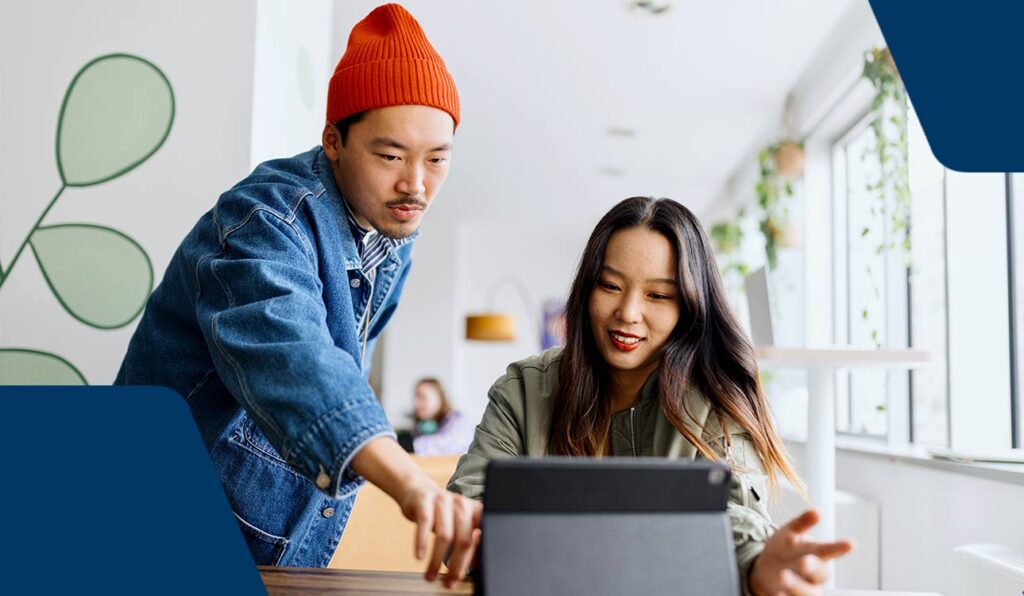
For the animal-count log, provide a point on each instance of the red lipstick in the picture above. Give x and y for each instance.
(629, 345)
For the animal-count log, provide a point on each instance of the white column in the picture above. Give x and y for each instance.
(821, 449)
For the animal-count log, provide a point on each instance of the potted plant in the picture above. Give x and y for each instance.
(779, 165)
(728, 237)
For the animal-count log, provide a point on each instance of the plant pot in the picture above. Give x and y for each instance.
(892, 63)
(790, 236)
(789, 160)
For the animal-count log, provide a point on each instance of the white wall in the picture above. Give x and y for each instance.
(294, 61)
(206, 51)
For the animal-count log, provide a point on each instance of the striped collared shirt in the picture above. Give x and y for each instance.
(373, 247)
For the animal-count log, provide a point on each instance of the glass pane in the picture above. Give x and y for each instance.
(1017, 188)
(930, 392)
(866, 282)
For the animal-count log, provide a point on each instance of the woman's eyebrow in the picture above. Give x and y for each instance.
(662, 280)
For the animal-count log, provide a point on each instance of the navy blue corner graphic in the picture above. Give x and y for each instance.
(110, 490)
(960, 62)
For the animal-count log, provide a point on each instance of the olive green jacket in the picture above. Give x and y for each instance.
(517, 420)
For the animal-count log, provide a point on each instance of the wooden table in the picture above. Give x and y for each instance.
(288, 581)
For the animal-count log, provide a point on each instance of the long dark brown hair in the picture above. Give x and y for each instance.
(708, 351)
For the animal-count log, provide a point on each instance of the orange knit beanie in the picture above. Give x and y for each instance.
(389, 62)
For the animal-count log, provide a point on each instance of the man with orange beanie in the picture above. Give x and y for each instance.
(268, 312)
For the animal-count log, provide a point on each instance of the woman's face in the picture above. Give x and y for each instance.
(635, 305)
(426, 401)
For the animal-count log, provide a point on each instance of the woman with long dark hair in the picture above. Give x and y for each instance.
(655, 364)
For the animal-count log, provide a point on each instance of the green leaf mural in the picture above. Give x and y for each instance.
(31, 367)
(101, 276)
(116, 113)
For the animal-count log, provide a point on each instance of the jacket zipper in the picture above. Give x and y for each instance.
(632, 433)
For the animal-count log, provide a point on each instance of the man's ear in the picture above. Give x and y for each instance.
(331, 140)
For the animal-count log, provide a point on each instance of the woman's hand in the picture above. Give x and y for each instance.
(792, 564)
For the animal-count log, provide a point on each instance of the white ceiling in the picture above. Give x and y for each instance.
(541, 83)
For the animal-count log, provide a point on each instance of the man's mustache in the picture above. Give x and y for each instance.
(407, 201)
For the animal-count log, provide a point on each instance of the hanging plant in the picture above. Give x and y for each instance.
(891, 187)
(728, 237)
(779, 165)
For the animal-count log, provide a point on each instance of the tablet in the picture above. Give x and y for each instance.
(606, 526)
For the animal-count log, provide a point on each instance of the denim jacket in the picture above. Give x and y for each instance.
(259, 324)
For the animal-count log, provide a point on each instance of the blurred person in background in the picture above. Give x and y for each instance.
(438, 428)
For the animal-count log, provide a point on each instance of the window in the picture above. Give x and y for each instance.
(1015, 206)
(882, 302)
(929, 389)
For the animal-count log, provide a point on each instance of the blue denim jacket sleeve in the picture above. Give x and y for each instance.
(261, 310)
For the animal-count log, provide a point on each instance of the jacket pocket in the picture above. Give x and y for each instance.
(251, 438)
(266, 548)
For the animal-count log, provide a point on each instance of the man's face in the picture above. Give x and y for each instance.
(392, 164)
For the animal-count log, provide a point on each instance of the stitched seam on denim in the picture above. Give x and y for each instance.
(335, 539)
(243, 385)
(305, 242)
(245, 220)
(246, 392)
(302, 196)
(272, 538)
(216, 221)
(269, 458)
(243, 429)
(303, 442)
(202, 381)
(302, 445)
(278, 542)
(290, 220)
(309, 532)
(199, 286)
(287, 220)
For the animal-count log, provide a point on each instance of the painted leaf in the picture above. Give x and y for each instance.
(117, 112)
(30, 367)
(101, 276)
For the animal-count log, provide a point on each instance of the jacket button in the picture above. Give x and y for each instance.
(355, 282)
(329, 512)
(323, 480)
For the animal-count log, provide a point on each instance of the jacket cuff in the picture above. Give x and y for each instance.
(328, 447)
